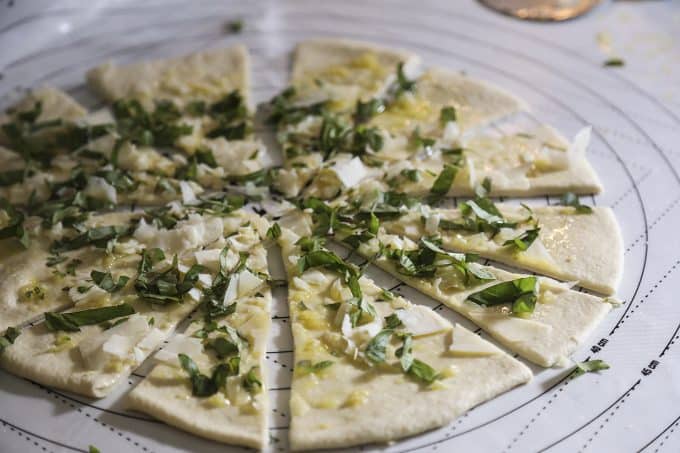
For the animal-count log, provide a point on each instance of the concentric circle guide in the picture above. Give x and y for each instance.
(632, 151)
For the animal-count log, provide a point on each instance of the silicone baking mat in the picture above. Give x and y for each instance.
(557, 68)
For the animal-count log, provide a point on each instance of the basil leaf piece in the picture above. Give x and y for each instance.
(589, 366)
(392, 321)
(167, 286)
(149, 258)
(375, 350)
(403, 84)
(227, 346)
(72, 321)
(423, 371)
(524, 240)
(447, 114)
(99, 237)
(442, 184)
(304, 367)
(251, 381)
(201, 385)
(224, 370)
(405, 354)
(235, 26)
(521, 293)
(14, 225)
(274, 231)
(366, 110)
(570, 199)
(614, 62)
(105, 281)
(8, 337)
(93, 449)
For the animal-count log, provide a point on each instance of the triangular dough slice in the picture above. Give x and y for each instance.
(560, 322)
(583, 248)
(345, 393)
(233, 414)
(206, 76)
(93, 360)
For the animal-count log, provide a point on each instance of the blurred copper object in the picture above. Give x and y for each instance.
(546, 10)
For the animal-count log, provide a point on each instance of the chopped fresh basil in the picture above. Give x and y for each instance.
(93, 449)
(72, 321)
(366, 110)
(203, 386)
(589, 366)
(614, 62)
(304, 367)
(405, 353)
(98, 237)
(284, 111)
(157, 128)
(274, 231)
(167, 286)
(251, 381)
(417, 141)
(376, 348)
(447, 114)
(521, 293)
(332, 135)
(430, 260)
(444, 181)
(570, 199)
(235, 26)
(402, 84)
(227, 346)
(524, 240)
(8, 337)
(149, 258)
(392, 321)
(106, 282)
(14, 226)
(423, 371)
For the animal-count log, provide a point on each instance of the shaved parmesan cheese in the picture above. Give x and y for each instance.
(191, 233)
(451, 132)
(209, 258)
(100, 189)
(351, 172)
(195, 294)
(101, 116)
(432, 223)
(80, 295)
(188, 195)
(356, 336)
(231, 293)
(248, 283)
(419, 320)
(179, 344)
(115, 343)
(315, 277)
(514, 329)
(465, 343)
(277, 208)
(205, 280)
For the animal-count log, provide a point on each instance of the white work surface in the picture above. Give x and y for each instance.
(557, 68)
